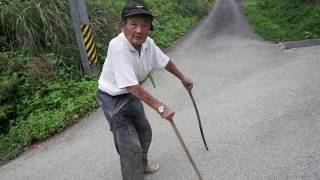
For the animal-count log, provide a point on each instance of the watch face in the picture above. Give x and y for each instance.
(161, 109)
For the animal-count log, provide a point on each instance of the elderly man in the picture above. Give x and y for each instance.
(132, 55)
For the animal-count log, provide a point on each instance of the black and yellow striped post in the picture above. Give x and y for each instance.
(90, 44)
(83, 31)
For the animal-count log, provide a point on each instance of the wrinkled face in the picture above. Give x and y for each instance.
(136, 29)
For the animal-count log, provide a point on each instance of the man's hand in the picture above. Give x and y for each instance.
(171, 67)
(187, 83)
(167, 114)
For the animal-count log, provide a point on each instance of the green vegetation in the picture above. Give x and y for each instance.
(43, 88)
(285, 20)
(174, 17)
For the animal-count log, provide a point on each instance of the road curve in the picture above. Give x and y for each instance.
(260, 107)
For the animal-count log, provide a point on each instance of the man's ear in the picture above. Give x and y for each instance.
(122, 24)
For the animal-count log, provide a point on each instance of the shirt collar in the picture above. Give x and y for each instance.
(131, 47)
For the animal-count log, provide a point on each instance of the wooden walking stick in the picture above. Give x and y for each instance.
(185, 149)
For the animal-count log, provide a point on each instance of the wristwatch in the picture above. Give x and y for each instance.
(161, 109)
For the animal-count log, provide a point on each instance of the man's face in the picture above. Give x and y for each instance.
(136, 29)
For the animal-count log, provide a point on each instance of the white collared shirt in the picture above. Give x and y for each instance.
(124, 67)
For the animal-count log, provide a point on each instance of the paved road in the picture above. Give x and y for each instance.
(260, 107)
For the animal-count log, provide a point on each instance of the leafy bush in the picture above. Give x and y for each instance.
(191, 8)
(53, 106)
(296, 22)
(176, 27)
(173, 17)
(11, 66)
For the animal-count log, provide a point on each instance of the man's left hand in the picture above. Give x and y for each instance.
(187, 83)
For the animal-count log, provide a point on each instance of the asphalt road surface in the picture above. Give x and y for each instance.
(259, 103)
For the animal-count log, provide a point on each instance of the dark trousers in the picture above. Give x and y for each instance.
(131, 132)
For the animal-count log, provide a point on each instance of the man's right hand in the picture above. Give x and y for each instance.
(167, 114)
(144, 96)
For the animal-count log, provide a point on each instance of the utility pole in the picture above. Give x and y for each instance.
(84, 35)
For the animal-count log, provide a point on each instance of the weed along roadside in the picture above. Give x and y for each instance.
(43, 87)
(284, 20)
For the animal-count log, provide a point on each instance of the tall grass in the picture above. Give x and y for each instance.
(37, 24)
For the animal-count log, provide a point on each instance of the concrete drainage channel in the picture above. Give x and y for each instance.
(299, 44)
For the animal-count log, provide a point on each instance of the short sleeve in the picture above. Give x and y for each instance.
(123, 69)
(159, 59)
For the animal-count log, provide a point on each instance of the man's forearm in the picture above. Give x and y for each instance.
(172, 68)
(144, 96)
